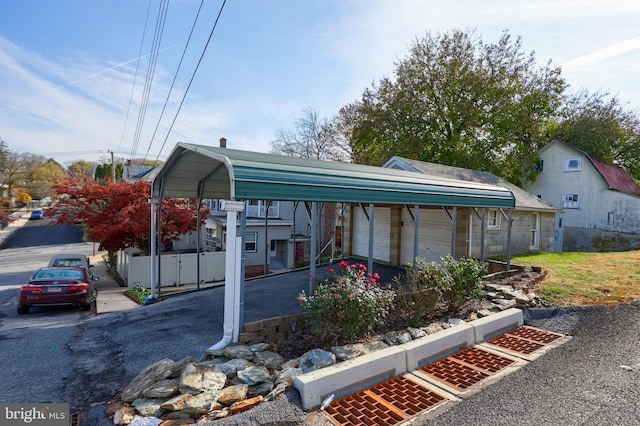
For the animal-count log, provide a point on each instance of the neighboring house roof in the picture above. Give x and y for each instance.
(242, 175)
(524, 199)
(615, 176)
(135, 172)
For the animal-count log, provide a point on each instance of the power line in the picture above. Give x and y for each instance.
(157, 38)
(174, 79)
(135, 78)
(215, 24)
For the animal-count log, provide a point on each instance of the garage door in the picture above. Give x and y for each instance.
(381, 233)
(434, 240)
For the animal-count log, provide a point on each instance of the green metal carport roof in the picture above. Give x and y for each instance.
(244, 175)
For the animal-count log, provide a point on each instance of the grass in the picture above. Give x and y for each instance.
(587, 278)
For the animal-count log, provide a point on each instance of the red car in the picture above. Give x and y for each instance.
(59, 286)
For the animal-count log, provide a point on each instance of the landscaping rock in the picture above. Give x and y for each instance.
(259, 347)
(124, 416)
(145, 421)
(149, 407)
(245, 405)
(232, 394)
(315, 359)
(349, 351)
(177, 403)
(239, 351)
(416, 333)
(254, 375)
(260, 389)
(197, 378)
(162, 389)
(268, 359)
(150, 375)
(201, 404)
(231, 367)
(397, 337)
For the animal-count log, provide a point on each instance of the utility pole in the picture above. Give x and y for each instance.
(113, 168)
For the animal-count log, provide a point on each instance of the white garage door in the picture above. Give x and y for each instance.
(381, 233)
(434, 241)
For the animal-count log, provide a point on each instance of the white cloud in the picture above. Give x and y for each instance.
(602, 55)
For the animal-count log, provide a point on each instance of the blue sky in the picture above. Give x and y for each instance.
(67, 67)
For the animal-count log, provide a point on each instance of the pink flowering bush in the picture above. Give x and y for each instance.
(347, 304)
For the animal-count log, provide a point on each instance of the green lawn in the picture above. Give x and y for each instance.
(587, 278)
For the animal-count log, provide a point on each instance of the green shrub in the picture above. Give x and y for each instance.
(347, 304)
(420, 290)
(466, 280)
(138, 293)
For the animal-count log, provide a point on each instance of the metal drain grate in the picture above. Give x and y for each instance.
(388, 403)
(535, 334)
(467, 367)
(524, 340)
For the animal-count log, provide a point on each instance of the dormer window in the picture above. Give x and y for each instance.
(572, 164)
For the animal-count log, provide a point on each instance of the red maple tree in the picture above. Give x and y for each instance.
(118, 215)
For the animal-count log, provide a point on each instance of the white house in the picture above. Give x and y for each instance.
(600, 202)
(277, 233)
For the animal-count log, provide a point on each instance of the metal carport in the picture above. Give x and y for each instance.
(207, 172)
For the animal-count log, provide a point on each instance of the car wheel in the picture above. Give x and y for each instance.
(23, 310)
(93, 305)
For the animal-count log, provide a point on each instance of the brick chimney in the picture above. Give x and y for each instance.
(223, 142)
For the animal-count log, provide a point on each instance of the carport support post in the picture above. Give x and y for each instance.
(232, 276)
(314, 243)
(509, 240)
(416, 234)
(371, 228)
(154, 202)
(453, 232)
(483, 228)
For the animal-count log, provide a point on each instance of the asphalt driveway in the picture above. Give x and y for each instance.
(593, 379)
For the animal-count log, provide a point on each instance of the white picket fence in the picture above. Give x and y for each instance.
(176, 269)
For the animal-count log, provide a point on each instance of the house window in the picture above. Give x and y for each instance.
(493, 220)
(572, 164)
(211, 239)
(539, 165)
(257, 208)
(611, 218)
(570, 201)
(534, 234)
(251, 242)
(212, 205)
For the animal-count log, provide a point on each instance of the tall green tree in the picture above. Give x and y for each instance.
(459, 101)
(599, 124)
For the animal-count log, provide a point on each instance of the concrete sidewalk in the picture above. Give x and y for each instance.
(20, 218)
(111, 296)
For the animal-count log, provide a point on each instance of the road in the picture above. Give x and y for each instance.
(38, 364)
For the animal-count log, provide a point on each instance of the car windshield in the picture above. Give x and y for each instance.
(58, 274)
(75, 263)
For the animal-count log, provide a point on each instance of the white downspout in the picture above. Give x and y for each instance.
(232, 276)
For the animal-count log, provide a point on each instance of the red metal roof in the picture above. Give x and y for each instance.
(616, 177)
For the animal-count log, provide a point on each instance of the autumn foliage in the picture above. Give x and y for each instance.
(118, 215)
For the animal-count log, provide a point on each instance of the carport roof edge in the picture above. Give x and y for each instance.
(245, 175)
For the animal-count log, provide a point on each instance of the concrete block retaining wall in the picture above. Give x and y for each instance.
(272, 329)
